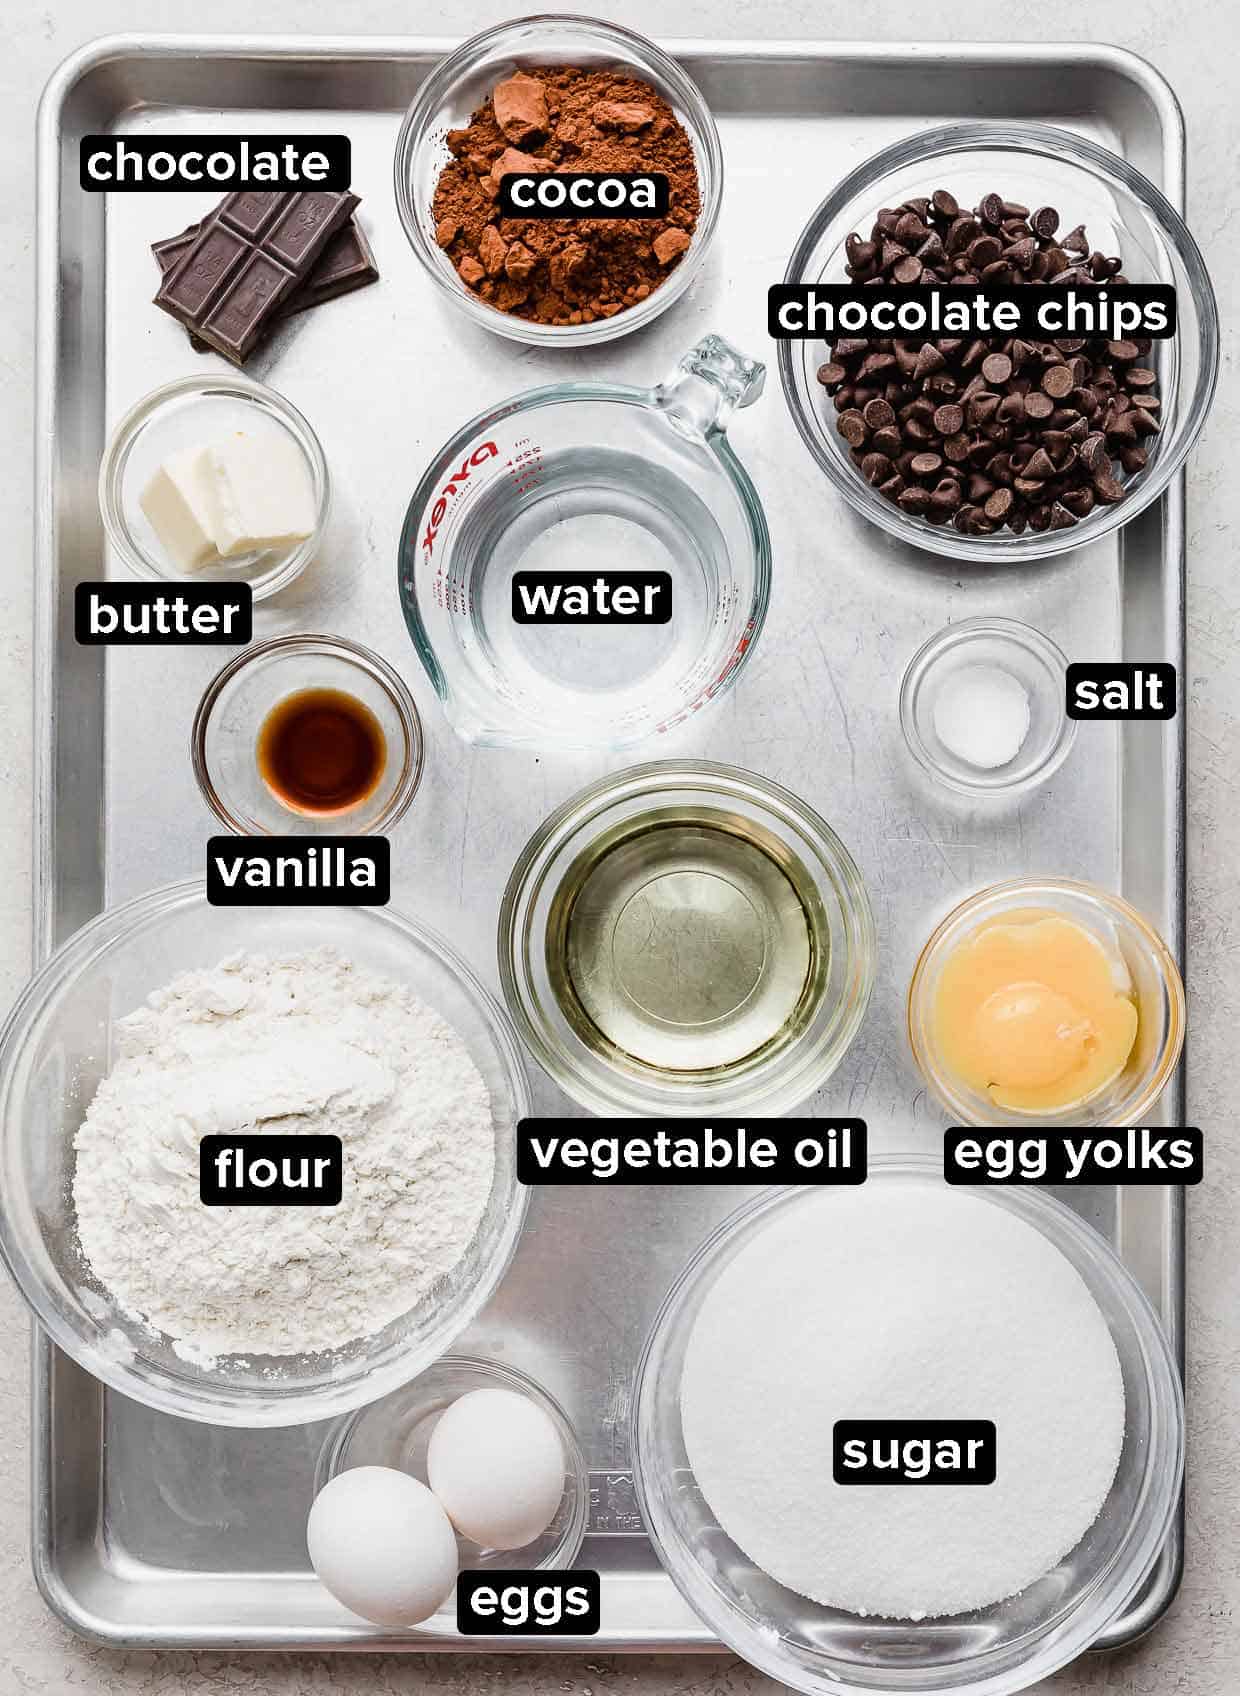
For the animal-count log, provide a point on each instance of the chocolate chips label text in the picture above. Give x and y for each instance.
(153, 163)
(913, 1451)
(294, 871)
(636, 1151)
(105, 614)
(584, 194)
(814, 311)
(266, 1171)
(1121, 689)
(528, 1603)
(1136, 1155)
(595, 597)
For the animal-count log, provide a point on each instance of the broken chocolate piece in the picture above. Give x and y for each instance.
(247, 260)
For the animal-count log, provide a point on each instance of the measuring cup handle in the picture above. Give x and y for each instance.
(707, 386)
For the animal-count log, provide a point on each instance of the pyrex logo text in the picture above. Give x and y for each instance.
(488, 450)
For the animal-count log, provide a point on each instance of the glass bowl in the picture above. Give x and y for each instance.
(58, 1045)
(1025, 654)
(724, 968)
(1035, 164)
(189, 413)
(224, 737)
(573, 472)
(1156, 983)
(991, 1651)
(461, 82)
(395, 1432)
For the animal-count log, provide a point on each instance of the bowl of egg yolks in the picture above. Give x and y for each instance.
(1048, 1002)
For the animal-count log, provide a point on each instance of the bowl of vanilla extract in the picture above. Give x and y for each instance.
(311, 735)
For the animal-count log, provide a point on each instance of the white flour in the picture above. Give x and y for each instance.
(915, 1303)
(304, 1044)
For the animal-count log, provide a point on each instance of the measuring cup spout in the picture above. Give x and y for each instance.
(707, 386)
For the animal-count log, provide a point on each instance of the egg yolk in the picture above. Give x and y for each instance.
(1033, 1011)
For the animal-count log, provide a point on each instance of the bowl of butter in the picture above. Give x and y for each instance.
(215, 480)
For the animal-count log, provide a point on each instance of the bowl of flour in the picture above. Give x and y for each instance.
(167, 1021)
(887, 1308)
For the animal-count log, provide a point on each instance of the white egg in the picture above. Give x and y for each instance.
(496, 1462)
(382, 1545)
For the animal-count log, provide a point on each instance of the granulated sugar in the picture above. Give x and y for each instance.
(905, 1301)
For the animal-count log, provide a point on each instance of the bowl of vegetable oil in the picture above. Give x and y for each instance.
(686, 937)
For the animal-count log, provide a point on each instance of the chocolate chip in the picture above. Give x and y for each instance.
(875, 467)
(1038, 405)
(1045, 222)
(991, 210)
(996, 368)
(1057, 381)
(949, 419)
(877, 413)
(831, 374)
(852, 426)
(944, 204)
(926, 464)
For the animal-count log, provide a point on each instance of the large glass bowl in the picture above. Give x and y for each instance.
(616, 814)
(461, 83)
(58, 1046)
(1037, 165)
(991, 1651)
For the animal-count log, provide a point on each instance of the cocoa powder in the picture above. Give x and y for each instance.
(565, 271)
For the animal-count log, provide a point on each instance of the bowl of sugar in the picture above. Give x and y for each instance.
(827, 1354)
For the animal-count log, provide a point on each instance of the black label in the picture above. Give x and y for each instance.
(528, 1604)
(822, 311)
(913, 1451)
(263, 1171)
(1113, 689)
(299, 871)
(1136, 1155)
(584, 194)
(594, 597)
(154, 163)
(146, 613)
(673, 1151)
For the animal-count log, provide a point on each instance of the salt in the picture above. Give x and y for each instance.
(981, 716)
(903, 1300)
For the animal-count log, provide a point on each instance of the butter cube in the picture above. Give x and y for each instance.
(177, 502)
(260, 495)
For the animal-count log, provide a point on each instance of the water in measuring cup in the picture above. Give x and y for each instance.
(594, 508)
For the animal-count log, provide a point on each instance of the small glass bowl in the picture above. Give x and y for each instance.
(613, 814)
(992, 1651)
(1156, 984)
(395, 1432)
(60, 1042)
(224, 737)
(1123, 213)
(1025, 654)
(191, 412)
(461, 82)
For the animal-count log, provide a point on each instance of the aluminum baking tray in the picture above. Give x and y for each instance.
(154, 1533)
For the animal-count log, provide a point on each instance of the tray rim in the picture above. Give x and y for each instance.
(1145, 1612)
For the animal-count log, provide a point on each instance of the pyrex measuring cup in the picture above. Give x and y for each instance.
(580, 478)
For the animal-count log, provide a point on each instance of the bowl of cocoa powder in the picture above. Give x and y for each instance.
(548, 108)
(1001, 447)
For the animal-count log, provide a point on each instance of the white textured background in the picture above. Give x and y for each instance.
(1196, 1651)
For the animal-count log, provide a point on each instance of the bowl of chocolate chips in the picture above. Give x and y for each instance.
(560, 180)
(956, 431)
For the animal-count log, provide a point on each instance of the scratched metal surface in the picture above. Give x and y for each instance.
(154, 1533)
